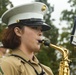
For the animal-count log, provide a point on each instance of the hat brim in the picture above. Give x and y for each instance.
(34, 22)
(44, 26)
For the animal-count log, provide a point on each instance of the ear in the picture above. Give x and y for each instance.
(17, 31)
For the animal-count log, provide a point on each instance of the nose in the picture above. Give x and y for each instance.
(39, 29)
(40, 33)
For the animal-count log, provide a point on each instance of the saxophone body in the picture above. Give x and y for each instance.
(64, 64)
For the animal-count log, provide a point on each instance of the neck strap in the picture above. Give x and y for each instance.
(42, 72)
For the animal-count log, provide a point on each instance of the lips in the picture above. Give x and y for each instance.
(41, 39)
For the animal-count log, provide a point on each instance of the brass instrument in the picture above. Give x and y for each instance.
(64, 64)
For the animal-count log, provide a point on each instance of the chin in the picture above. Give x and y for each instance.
(38, 49)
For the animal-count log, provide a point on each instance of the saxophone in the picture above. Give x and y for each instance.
(64, 64)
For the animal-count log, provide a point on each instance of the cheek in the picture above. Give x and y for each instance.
(28, 36)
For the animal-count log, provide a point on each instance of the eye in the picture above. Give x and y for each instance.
(34, 27)
(37, 28)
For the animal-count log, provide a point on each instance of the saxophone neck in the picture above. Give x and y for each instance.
(63, 50)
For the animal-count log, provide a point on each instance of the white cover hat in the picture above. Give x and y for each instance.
(23, 13)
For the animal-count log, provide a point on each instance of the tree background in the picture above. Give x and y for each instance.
(47, 55)
(3, 8)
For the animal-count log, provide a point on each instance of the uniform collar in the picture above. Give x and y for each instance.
(21, 54)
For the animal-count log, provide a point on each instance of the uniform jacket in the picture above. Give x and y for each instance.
(12, 65)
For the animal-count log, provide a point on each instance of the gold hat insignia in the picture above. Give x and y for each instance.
(43, 8)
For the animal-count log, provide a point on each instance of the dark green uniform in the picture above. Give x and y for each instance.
(14, 65)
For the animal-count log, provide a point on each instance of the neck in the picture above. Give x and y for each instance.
(27, 52)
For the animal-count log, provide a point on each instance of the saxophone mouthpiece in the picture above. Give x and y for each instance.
(45, 41)
(42, 38)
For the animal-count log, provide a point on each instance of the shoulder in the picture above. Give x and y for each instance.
(45, 66)
(10, 65)
(10, 60)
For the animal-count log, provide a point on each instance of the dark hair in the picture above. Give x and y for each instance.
(10, 39)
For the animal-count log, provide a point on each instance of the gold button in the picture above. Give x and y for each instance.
(17, 21)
